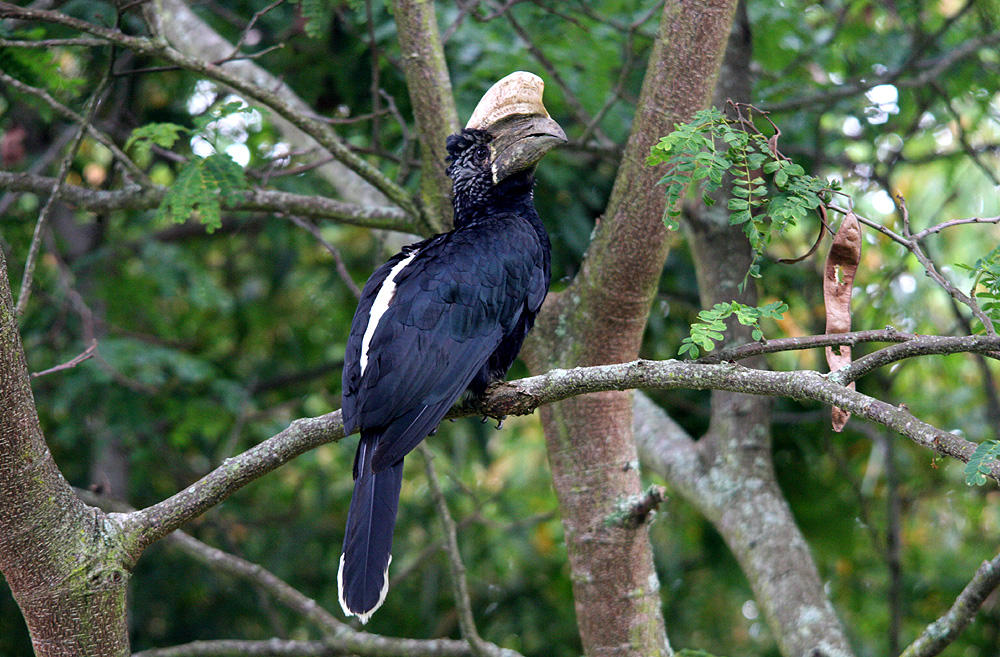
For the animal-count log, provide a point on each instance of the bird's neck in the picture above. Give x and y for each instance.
(511, 195)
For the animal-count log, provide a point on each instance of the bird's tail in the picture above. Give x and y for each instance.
(363, 578)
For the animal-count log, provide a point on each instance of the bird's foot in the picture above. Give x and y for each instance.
(487, 418)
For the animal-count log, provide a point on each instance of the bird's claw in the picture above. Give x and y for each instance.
(486, 418)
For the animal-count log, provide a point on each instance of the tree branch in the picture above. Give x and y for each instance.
(133, 197)
(522, 397)
(84, 123)
(752, 349)
(377, 646)
(280, 103)
(942, 632)
(466, 621)
(426, 72)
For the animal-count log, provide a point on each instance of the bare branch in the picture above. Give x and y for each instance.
(155, 522)
(367, 645)
(261, 578)
(465, 618)
(918, 346)
(954, 222)
(942, 632)
(338, 261)
(43, 215)
(522, 398)
(751, 349)
(76, 360)
(52, 43)
(912, 244)
(133, 197)
(931, 269)
(84, 123)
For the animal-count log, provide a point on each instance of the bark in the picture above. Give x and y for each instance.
(600, 318)
(59, 556)
(732, 480)
(429, 86)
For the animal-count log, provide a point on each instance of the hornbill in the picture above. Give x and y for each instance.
(445, 316)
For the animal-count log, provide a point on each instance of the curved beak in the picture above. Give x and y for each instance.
(520, 141)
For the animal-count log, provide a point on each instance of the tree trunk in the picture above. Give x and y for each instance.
(599, 319)
(731, 478)
(57, 554)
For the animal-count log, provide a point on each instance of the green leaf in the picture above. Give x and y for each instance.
(977, 470)
(201, 187)
(164, 135)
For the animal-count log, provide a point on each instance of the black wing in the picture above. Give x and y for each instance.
(453, 305)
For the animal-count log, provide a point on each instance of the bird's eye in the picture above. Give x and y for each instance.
(482, 153)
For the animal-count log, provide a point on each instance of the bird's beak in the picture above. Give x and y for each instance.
(520, 141)
(512, 111)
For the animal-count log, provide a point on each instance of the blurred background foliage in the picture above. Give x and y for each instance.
(209, 343)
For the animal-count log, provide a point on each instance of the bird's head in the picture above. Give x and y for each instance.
(508, 134)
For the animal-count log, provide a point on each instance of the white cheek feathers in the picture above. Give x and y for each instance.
(379, 306)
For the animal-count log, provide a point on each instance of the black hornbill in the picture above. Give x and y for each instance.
(445, 316)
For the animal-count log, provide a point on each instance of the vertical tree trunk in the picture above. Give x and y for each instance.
(732, 480)
(600, 318)
(57, 554)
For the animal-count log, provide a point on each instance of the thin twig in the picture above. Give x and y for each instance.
(69, 114)
(939, 278)
(742, 352)
(246, 32)
(76, 360)
(43, 215)
(569, 95)
(466, 621)
(342, 271)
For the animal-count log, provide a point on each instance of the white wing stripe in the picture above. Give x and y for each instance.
(380, 305)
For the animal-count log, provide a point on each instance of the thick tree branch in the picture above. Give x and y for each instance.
(376, 647)
(433, 103)
(522, 397)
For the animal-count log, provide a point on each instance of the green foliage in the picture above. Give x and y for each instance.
(711, 328)
(977, 470)
(202, 185)
(164, 135)
(693, 652)
(315, 15)
(713, 145)
(40, 68)
(987, 283)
